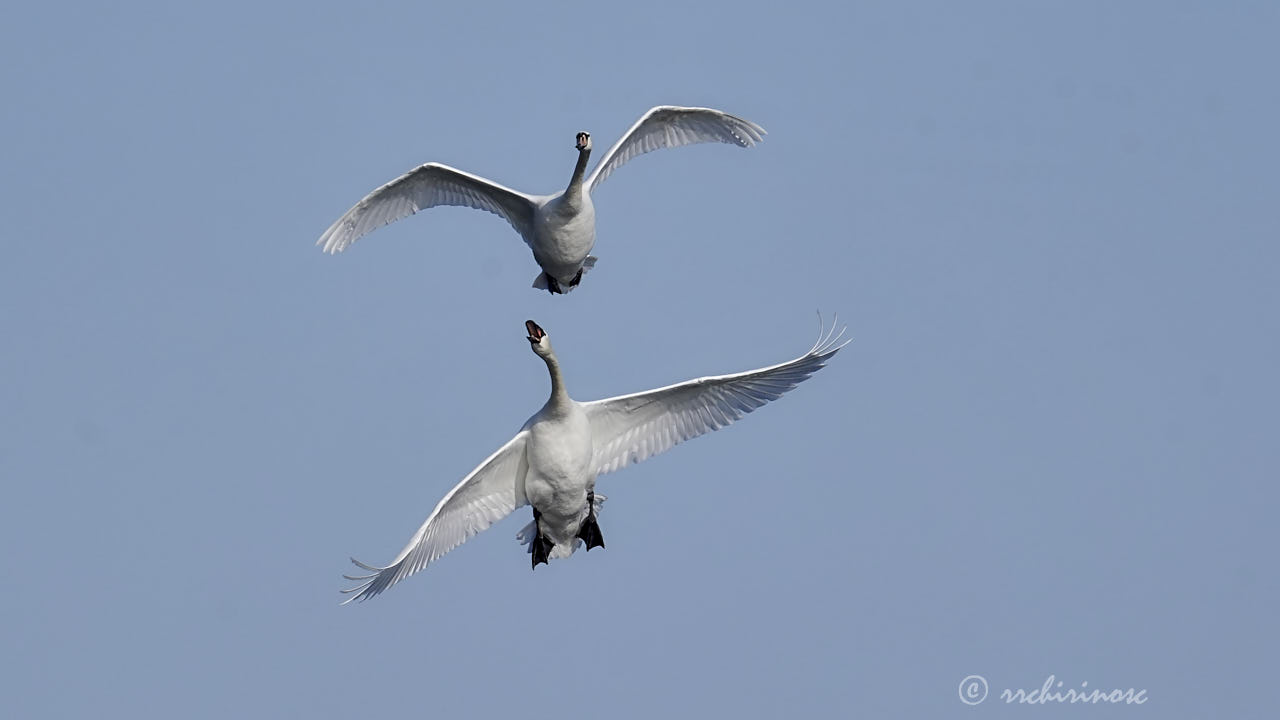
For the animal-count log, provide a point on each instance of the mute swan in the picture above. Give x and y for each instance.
(552, 463)
(560, 229)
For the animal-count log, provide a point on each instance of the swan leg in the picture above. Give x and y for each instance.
(589, 533)
(553, 286)
(541, 547)
(576, 279)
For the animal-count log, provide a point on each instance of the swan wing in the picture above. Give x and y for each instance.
(489, 493)
(632, 428)
(423, 187)
(668, 126)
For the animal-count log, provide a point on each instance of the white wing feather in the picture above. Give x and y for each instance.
(668, 126)
(489, 493)
(423, 187)
(632, 428)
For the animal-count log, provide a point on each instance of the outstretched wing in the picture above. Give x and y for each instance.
(423, 187)
(668, 126)
(632, 428)
(490, 493)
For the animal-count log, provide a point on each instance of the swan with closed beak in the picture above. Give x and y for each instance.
(553, 462)
(560, 229)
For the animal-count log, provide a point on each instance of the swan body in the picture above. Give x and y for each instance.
(564, 233)
(560, 229)
(553, 461)
(558, 451)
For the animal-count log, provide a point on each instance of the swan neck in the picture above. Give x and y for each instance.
(559, 395)
(574, 192)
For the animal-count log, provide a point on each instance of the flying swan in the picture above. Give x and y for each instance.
(552, 463)
(560, 229)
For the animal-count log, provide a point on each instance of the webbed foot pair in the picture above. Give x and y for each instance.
(553, 285)
(589, 532)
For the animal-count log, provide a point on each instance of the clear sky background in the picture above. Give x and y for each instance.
(1050, 449)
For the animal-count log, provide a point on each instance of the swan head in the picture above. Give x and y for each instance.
(584, 142)
(538, 339)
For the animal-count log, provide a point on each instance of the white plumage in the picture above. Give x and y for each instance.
(559, 229)
(553, 462)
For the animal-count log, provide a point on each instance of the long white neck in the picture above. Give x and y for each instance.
(573, 193)
(559, 395)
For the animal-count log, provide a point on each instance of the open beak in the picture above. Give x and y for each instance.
(535, 333)
(582, 140)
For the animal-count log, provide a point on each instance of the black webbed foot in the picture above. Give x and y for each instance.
(589, 532)
(553, 286)
(540, 548)
(576, 279)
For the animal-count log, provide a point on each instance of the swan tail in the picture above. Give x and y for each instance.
(525, 536)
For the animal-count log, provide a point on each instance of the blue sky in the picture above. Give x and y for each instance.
(1050, 449)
